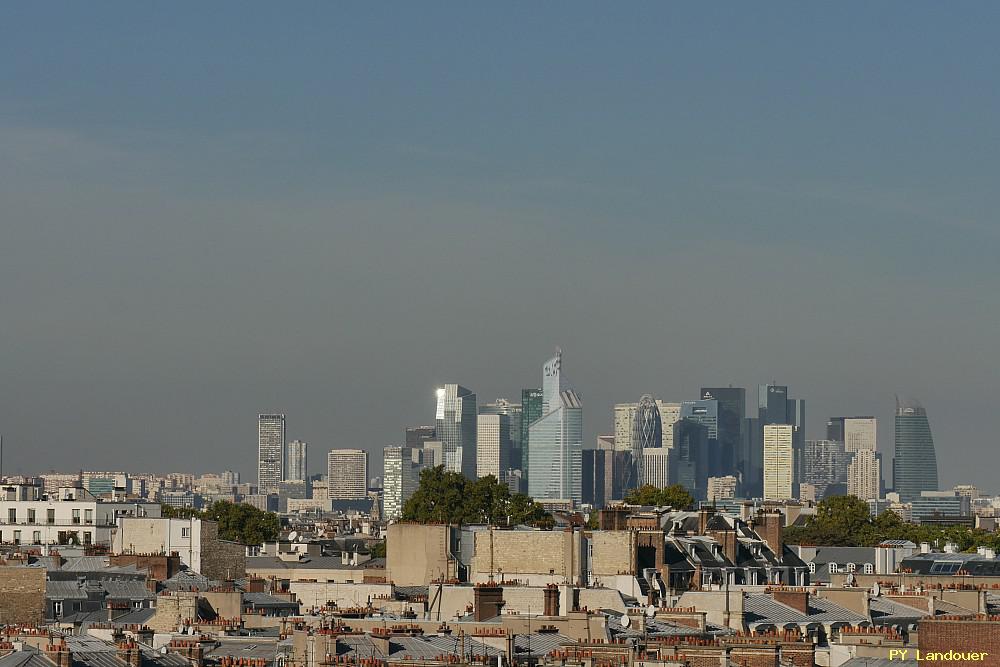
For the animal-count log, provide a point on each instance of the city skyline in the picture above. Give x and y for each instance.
(332, 213)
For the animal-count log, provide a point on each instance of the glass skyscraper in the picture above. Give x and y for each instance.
(914, 466)
(296, 461)
(455, 426)
(270, 452)
(732, 412)
(531, 411)
(555, 440)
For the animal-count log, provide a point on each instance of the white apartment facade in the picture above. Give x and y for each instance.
(69, 516)
(864, 475)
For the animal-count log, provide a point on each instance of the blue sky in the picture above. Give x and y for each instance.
(211, 210)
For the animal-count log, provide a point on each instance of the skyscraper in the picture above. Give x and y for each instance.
(296, 461)
(555, 440)
(347, 474)
(513, 412)
(732, 412)
(914, 465)
(647, 433)
(270, 452)
(860, 433)
(402, 477)
(455, 426)
(826, 463)
(416, 436)
(779, 462)
(531, 411)
(864, 475)
(706, 413)
(493, 446)
(688, 458)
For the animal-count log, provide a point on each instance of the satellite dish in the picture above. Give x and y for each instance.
(626, 621)
(876, 590)
(163, 650)
(850, 578)
(650, 611)
(292, 535)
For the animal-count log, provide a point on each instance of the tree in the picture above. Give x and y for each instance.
(378, 549)
(675, 496)
(449, 497)
(237, 522)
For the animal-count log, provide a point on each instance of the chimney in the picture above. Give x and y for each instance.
(551, 600)
(128, 651)
(487, 601)
(796, 598)
(704, 514)
(770, 529)
(59, 654)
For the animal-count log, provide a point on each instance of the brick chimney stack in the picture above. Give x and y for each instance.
(59, 654)
(551, 600)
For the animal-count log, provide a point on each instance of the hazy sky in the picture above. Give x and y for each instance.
(210, 210)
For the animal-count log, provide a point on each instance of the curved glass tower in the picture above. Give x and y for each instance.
(647, 433)
(914, 465)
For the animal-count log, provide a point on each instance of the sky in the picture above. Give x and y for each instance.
(212, 210)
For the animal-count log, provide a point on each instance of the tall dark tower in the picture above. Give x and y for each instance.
(732, 410)
(914, 466)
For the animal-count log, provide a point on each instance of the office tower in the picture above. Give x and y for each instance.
(864, 475)
(722, 488)
(688, 458)
(531, 411)
(416, 436)
(670, 414)
(513, 412)
(603, 475)
(655, 467)
(270, 452)
(647, 433)
(860, 433)
(732, 412)
(706, 413)
(835, 429)
(772, 404)
(914, 466)
(433, 453)
(455, 426)
(825, 466)
(752, 475)
(647, 428)
(347, 474)
(296, 462)
(493, 446)
(402, 477)
(779, 462)
(624, 425)
(230, 478)
(555, 440)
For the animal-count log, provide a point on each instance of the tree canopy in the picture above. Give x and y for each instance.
(846, 521)
(450, 497)
(237, 522)
(675, 496)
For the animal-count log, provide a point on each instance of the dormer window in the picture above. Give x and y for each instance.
(869, 568)
(851, 567)
(832, 568)
(812, 568)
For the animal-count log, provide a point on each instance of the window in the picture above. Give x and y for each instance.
(88, 516)
(57, 609)
(76, 516)
(36, 537)
(832, 567)
(851, 567)
(869, 568)
(812, 568)
(185, 532)
(87, 538)
(12, 515)
(17, 537)
(31, 516)
(50, 516)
